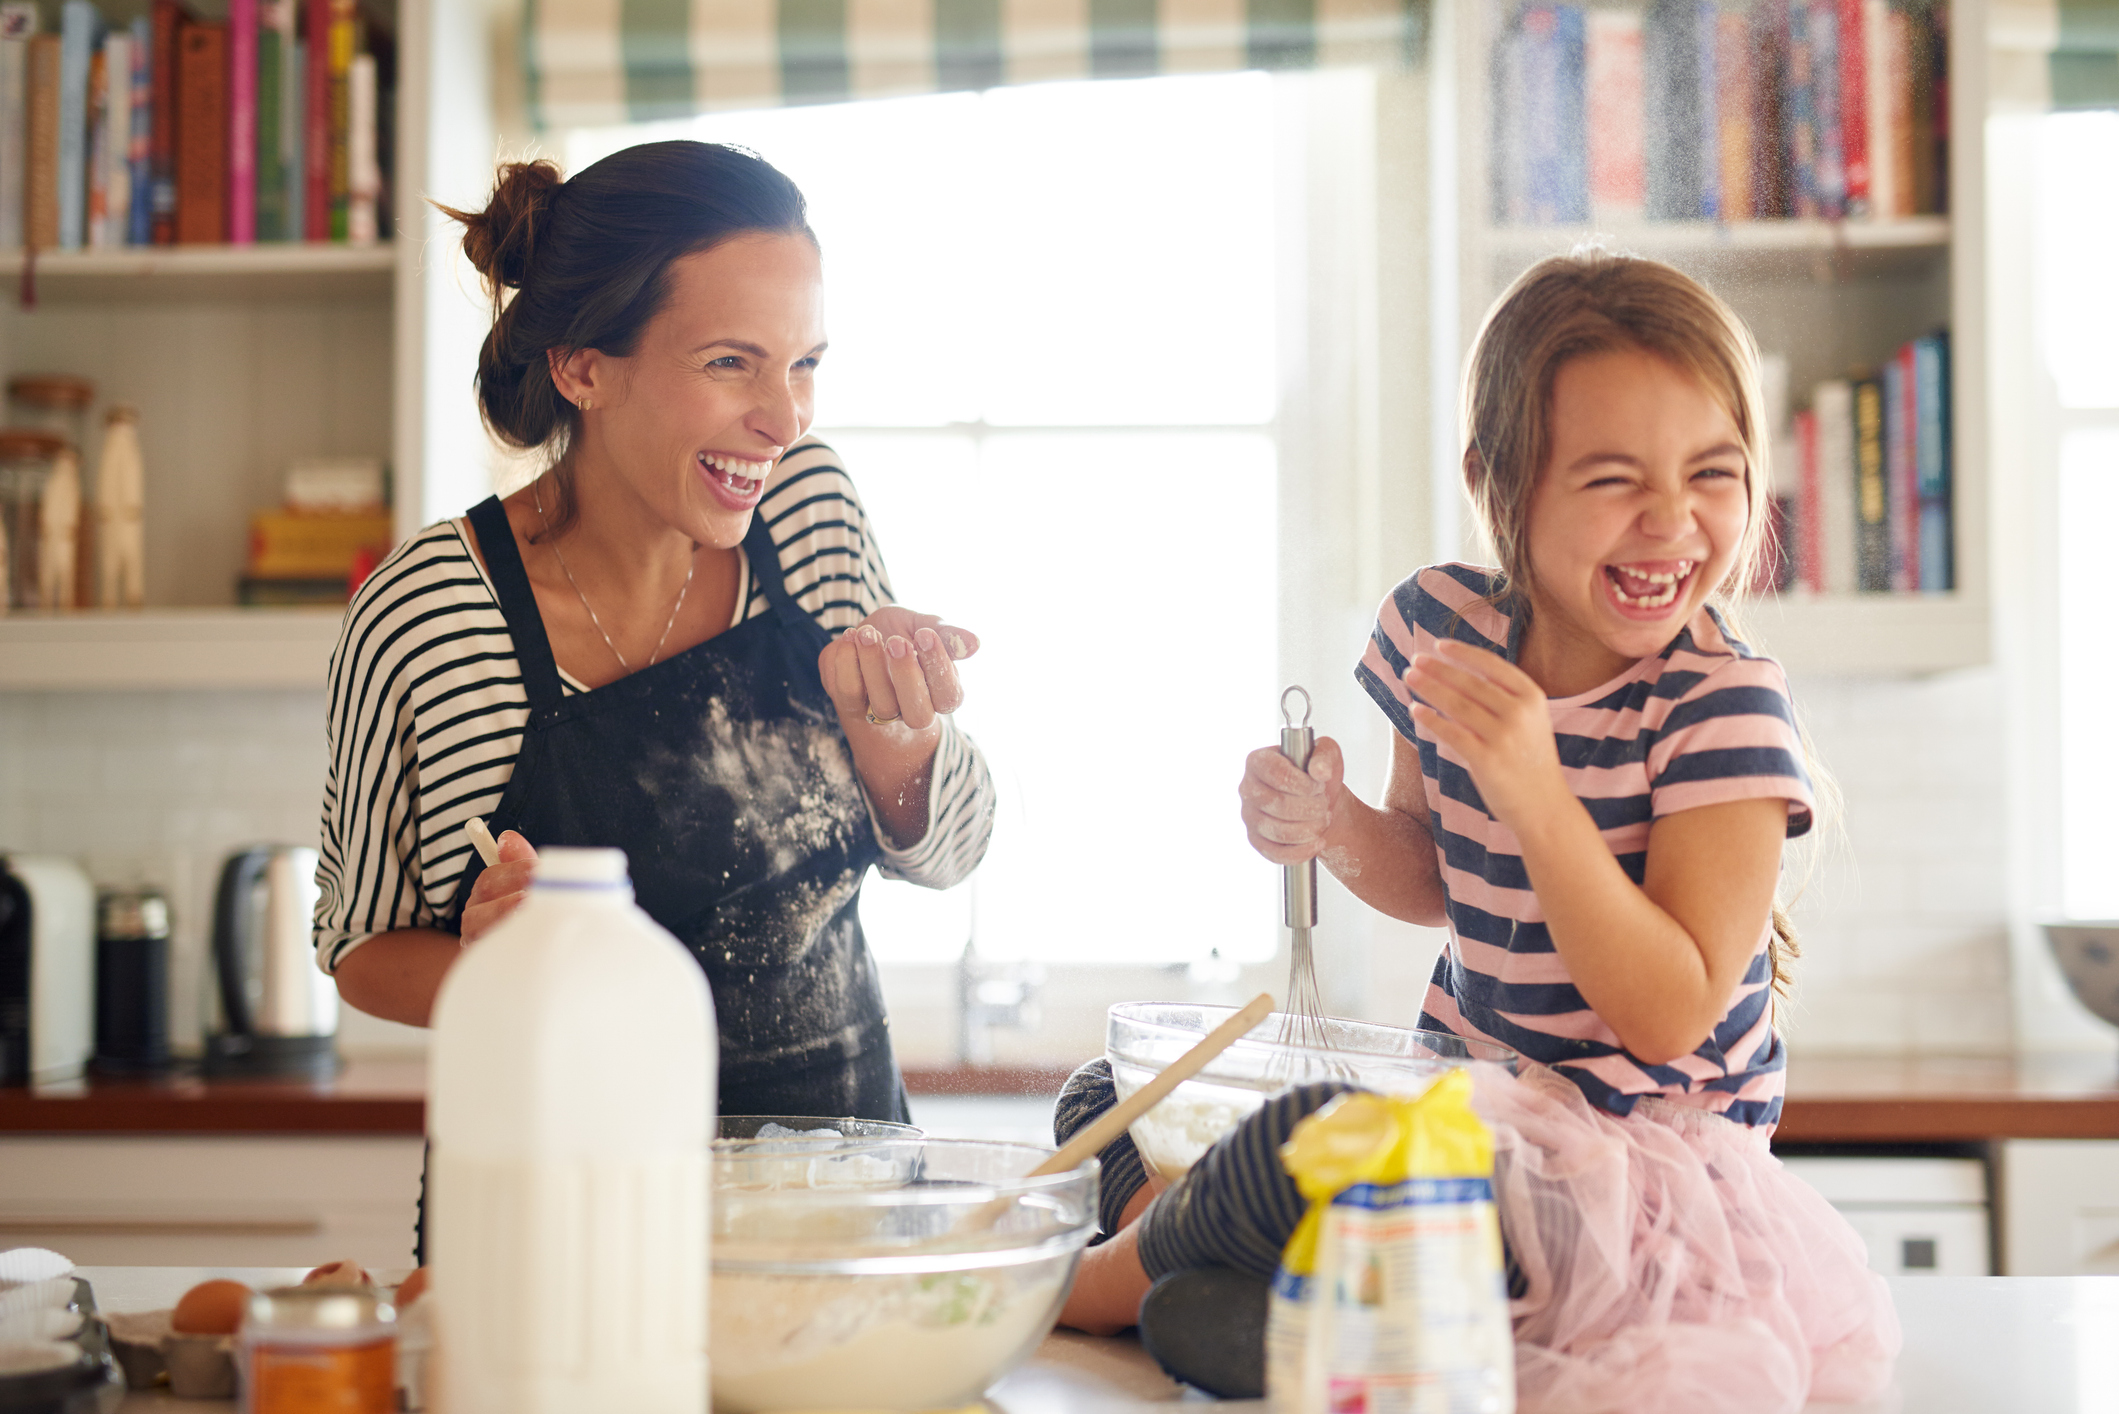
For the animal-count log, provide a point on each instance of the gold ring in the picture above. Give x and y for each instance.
(875, 721)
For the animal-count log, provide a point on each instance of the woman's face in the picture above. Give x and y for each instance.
(722, 383)
(1641, 511)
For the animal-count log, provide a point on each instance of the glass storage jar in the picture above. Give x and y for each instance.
(27, 457)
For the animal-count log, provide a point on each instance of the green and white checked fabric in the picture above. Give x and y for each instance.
(593, 63)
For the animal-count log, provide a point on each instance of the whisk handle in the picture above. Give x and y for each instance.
(1298, 882)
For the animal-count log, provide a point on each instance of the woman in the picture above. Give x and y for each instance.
(678, 639)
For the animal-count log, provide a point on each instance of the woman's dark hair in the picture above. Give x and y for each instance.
(588, 263)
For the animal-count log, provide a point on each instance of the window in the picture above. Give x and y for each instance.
(2078, 307)
(1053, 375)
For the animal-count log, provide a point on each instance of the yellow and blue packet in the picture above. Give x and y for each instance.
(1390, 1297)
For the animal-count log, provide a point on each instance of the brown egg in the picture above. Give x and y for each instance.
(412, 1287)
(211, 1308)
(337, 1274)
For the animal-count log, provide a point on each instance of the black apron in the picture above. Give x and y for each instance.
(723, 774)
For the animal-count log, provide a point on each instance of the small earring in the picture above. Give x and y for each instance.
(584, 404)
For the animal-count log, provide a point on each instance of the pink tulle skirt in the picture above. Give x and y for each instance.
(1673, 1265)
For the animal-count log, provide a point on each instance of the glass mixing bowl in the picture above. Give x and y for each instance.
(1141, 1038)
(807, 1151)
(912, 1280)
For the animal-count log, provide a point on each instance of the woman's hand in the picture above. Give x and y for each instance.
(1288, 811)
(502, 888)
(1492, 715)
(895, 671)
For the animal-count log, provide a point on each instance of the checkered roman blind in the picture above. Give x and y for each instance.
(599, 62)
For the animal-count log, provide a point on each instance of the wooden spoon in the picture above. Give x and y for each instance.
(1114, 1121)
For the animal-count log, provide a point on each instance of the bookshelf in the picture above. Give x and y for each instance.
(243, 358)
(1829, 295)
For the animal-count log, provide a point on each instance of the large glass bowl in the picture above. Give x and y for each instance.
(842, 1286)
(1141, 1038)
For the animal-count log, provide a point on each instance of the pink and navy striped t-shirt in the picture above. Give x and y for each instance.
(1703, 722)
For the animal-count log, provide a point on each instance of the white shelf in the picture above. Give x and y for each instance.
(167, 648)
(273, 270)
(1759, 248)
(1871, 635)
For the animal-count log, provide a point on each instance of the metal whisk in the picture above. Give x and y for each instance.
(1305, 1022)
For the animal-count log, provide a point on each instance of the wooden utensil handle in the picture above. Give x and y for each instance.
(1113, 1122)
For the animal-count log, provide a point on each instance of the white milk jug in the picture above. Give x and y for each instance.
(570, 1109)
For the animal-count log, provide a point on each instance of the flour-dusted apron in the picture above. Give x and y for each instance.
(723, 774)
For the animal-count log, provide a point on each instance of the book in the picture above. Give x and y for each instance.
(1931, 115)
(276, 21)
(114, 144)
(139, 144)
(1735, 108)
(268, 159)
(1771, 191)
(1898, 99)
(1931, 458)
(1884, 176)
(1615, 116)
(344, 36)
(162, 121)
(1684, 147)
(1901, 489)
(18, 22)
(1854, 103)
(96, 156)
(202, 133)
(1799, 113)
(242, 122)
(296, 108)
(1833, 402)
(1810, 501)
(1829, 169)
(1872, 526)
(79, 38)
(40, 135)
(1554, 184)
(364, 177)
(316, 122)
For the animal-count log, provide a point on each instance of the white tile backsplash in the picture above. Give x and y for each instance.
(1902, 923)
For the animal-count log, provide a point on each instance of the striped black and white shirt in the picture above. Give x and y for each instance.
(427, 711)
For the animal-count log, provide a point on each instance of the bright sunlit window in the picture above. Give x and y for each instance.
(2078, 310)
(1052, 375)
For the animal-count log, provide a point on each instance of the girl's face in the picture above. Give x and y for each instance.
(721, 383)
(1638, 515)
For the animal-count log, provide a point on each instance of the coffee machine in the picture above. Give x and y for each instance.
(271, 1011)
(47, 969)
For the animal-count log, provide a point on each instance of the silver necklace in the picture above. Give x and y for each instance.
(537, 500)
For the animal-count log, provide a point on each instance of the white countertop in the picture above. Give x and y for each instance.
(1974, 1345)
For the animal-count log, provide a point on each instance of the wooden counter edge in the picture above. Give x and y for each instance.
(153, 1114)
(1857, 1119)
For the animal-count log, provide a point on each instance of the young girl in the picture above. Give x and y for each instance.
(1591, 780)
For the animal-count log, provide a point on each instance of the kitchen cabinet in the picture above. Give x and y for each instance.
(1826, 294)
(243, 358)
(186, 1200)
(1918, 1216)
(2060, 1206)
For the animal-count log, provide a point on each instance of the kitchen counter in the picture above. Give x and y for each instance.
(1831, 1100)
(2043, 1345)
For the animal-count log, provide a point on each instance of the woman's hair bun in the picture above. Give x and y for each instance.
(501, 240)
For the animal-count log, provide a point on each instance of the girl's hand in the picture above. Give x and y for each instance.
(895, 671)
(501, 889)
(1490, 713)
(1287, 811)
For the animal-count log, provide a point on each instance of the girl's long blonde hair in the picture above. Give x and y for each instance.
(1591, 302)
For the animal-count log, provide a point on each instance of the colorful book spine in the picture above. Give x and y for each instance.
(1830, 168)
(1570, 143)
(243, 122)
(139, 145)
(40, 128)
(1615, 117)
(1810, 507)
(1770, 178)
(1901, 489)
(1735, 109)
(78, 23)
(280, 15)
(1833, 402)
(1898, 62)
(1931, 439)
(162, 126)
(268, 159)
(117, 138)
(1884, 175)
(363, 173)
(1854, 103)
(1868, 479)
(344, 40)
(1800, 109)
(1931, 109)
(297, 108)
(1873, 416)
(18, 22)
(316, 123)
(95, 228)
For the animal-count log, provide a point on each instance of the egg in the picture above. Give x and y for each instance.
(211, 1308)
(337, 1274)
(412, 1287)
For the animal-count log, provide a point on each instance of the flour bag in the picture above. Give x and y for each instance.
(1390, 1297)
